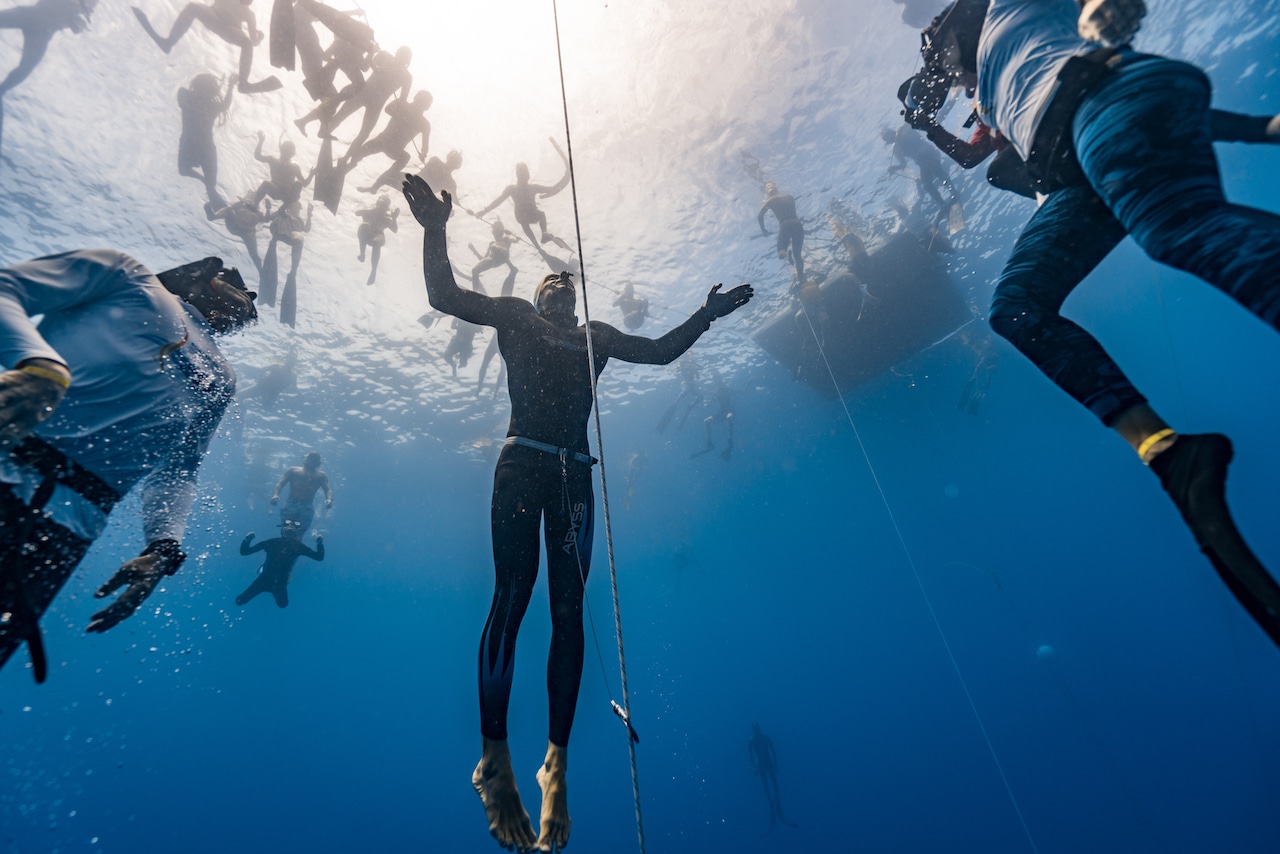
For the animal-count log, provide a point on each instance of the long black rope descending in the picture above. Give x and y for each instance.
(604, 487)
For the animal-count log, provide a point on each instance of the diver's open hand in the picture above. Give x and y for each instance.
(28, 397)
(142, 574)
(430, 212)
(718, 304)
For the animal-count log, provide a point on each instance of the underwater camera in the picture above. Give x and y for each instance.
(923, 94)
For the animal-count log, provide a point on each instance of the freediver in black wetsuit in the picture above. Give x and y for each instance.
(764, 761)
(282, 553)
(543, 478)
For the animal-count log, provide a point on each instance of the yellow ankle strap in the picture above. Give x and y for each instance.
(1152, 440)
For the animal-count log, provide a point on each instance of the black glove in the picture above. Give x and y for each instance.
(142, 574)
(920, 120)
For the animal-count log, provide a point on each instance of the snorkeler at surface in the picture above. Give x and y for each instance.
(524, 198)
(408, 119)
(790, 229)
(285, 183)
(202, 104)
(39, 23)
(372, 232)
(282, 553)
(388, 74)
(230, 20)
(497, 255)
(121, 385)
(1121, 144)
(242, 219)
(543, 477)
(635, 310)
(304, 482)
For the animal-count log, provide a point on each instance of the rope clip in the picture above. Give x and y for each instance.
(626, 719)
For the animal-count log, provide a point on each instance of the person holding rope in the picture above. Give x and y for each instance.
(543, 477)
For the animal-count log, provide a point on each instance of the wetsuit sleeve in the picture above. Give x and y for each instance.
(967, 154)
(62, 282)
(315, 554)
(169, 491)
(444, 294)
(651, 351)
(247, 549)
(764, 209)
(1236, 127)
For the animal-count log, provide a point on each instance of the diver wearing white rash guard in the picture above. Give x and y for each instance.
(146, 389)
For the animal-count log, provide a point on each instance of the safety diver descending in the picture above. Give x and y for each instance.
(543, 476)
(1120, 143)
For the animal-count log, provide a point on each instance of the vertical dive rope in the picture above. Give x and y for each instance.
(937, 624)
(604, 488)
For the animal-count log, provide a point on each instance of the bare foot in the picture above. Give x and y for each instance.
(554, 821)
(495, 782)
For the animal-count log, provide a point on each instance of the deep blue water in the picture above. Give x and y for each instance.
(1126, 697)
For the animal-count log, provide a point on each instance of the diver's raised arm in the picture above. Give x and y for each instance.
(668, 348)
(442, 288)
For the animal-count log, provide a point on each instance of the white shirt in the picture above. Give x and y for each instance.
(1024, 45)
(148, 387)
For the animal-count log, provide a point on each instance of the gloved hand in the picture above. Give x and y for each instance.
(920, 120)
(142, 574)
(1110, 22)
(28, 396)
(718, 304)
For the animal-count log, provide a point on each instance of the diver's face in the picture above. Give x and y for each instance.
(557, 301)
(291, 530)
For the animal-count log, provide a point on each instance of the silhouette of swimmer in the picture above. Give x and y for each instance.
(372, 232)
(637, 463)
(408, 120)
(39, 23)
(203, 104)
(303, 482)
(282, 553)
(241, 219)
(909, 144)
(288, 227)
(790, 230)
(723, 416)
(388, 74)
(635, 310)
(462, 345)
(230, 20)
(498, 254)
(256, 477)
(524, 198)
(439, 173)
(286, 182)
(764, 762)
(691, 393)
(350, 51)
